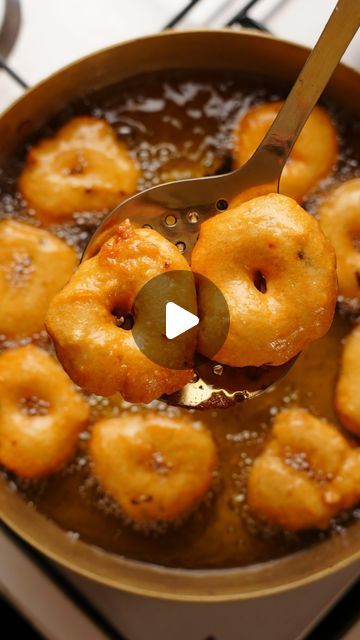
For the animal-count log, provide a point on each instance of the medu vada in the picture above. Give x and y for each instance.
(97, 352)
(41, 413)
(156, 467)
(84, 167)
(347, 394)
(276, 270)
(34, 266)
(307, 473)
(314, 154)
(339, 217)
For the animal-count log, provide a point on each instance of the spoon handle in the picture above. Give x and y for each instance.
(271, 155)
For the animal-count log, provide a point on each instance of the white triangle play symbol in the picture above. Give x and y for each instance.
(178, 320)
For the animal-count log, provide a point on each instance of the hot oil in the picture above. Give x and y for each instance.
(178, 125)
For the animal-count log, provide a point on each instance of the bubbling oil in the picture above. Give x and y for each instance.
(179, 125)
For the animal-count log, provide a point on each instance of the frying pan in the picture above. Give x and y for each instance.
(248, 52)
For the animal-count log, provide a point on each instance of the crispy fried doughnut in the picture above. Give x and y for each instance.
(276, 270)
(306, 474)
(34, 266)
(156, 467)
(340, 221)
(97, 354)
(41, 414)
(347, 395)
(312, 158)
(84, 167)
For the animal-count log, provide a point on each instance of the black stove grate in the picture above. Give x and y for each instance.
(12, 73)
(241, 18)
(179, 16)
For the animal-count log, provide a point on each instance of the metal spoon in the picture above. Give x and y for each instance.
(177, 209)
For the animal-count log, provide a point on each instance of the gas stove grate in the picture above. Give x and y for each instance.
(241, 18)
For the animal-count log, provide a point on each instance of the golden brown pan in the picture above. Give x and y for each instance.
(252, 53)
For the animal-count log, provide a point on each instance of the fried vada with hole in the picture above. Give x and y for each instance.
(276, 270)
(339, 217)
(41, 413)
(347, 394)
(314, 154)
(97, 352)
(158, 468)
(84, 167)
(306, 475)
(34, 266)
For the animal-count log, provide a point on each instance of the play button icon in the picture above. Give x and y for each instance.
(178, 320)
(167, 321)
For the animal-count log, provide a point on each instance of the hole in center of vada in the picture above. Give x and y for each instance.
(123, 319)
(356, 241)
(34, 406)
(259, 281)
